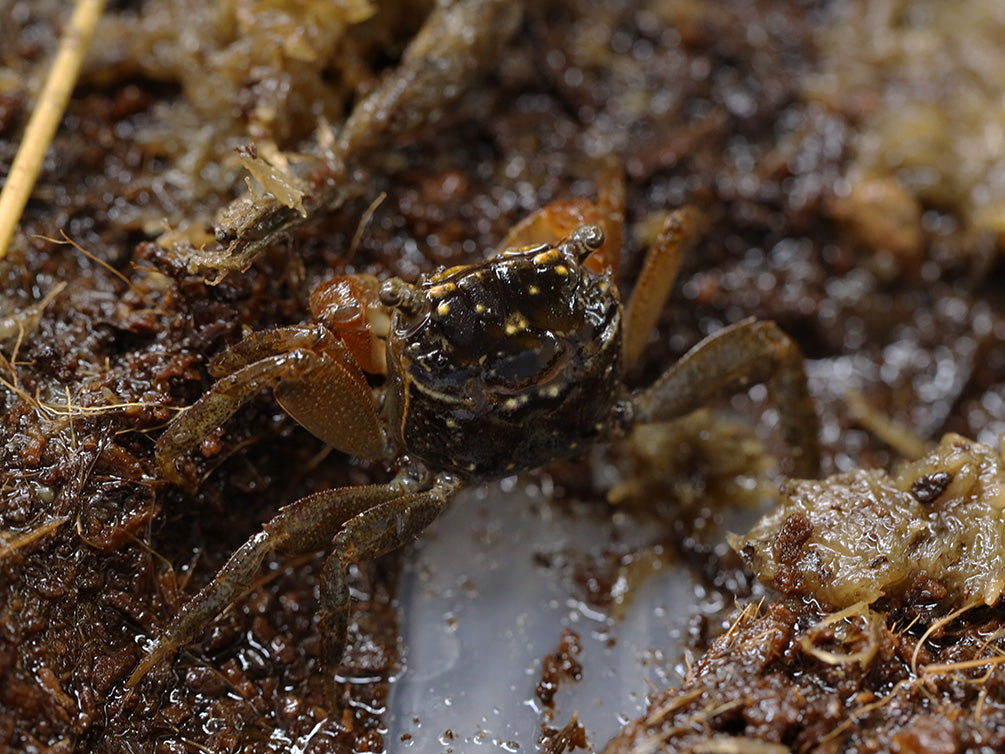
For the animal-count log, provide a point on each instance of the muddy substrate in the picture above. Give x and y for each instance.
(785, 678)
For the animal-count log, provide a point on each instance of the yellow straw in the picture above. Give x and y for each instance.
(46, 116)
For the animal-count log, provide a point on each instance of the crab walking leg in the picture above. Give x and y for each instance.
(323, 390)
(275, 342)
(659, 270)
(743, 354)
(611, 210)
(307, 525)
(369, 535)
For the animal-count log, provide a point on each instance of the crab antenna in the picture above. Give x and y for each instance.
(585, 240)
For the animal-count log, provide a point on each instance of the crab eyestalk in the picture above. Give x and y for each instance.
(397, 294)
(585, 240)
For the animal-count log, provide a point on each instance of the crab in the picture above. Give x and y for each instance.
(490, 369)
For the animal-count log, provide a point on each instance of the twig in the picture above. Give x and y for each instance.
(46, 116)
(897, 436)
(864, 656)
(96, 260)
(361, 226)
(935, 627)
(10, 547)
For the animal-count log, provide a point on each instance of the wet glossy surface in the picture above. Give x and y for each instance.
(507, 365)
(481, 612)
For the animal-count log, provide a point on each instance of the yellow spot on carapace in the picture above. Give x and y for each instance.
(515, 323)
(443, 274)
(443, 309)
(444, 289)
(547, 257)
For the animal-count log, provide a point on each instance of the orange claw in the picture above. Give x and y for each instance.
(554, 222)
(350, 306)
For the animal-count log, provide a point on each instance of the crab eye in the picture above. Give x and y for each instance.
(585, 240)
(398, 294)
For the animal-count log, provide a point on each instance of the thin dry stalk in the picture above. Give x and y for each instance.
(857, 714)
(929, 672)
(863, 656)
(936, 626)
(897, 436)
(46, 116)
(13, 546)
(363, 222)
(977, 662)
(739, 745)
(676, 703)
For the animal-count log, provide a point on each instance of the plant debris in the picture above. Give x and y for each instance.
(788, 679)
(866, 534)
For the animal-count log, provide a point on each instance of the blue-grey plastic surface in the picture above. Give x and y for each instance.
(480, 612)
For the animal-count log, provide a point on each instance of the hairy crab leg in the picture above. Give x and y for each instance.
(379, 530)
(264, 343)
(307, 525)
(655, 280)
(729, 361)
(323, 390)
